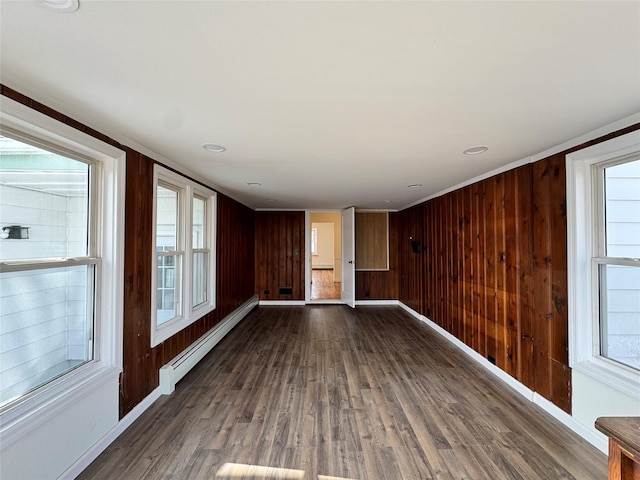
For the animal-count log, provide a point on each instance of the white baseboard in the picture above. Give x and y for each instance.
(179, 366)
(556, 412)
(410, 311)
(377, 302)
(101, 445)
(601, 443)
(282, 302)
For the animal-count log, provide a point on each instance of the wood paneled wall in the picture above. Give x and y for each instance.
(494, 270)
(235, 261)
(411, 276)
(279, 254)
(235, 268)
(372, 240)
(478, 264)
(234, 281)
(382, 285)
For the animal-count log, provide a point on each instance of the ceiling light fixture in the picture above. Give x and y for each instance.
(476, 150)
(254, 184)
(414, 185)
(62, 6)
(212, 147)
(387, 201)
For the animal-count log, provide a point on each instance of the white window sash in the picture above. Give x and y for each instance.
(584, 240)
(187, 190)
(36, 410)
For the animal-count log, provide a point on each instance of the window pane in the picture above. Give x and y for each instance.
(200, 277)
(45, 197)
(620, 314)
(622, 196)
(168, 288)
(314, 241)
(166, 219)
(46, 326)
(199, 207)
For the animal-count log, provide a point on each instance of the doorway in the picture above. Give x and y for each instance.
(325, 259)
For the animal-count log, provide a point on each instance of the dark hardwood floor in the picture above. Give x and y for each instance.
(327, 392)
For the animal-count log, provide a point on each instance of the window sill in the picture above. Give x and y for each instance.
(31, 412)
(624, 379)
(170, 328)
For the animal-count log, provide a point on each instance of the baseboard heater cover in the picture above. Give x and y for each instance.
(177, 368)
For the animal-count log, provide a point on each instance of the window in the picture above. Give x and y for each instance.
(314, 241)
(49, 263)
(183, 286)
(60, 280)
(617, 259)
(603, 213)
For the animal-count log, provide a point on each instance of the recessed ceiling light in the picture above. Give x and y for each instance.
(476, 150)
(414, 185)
(387, 201)
(254, 184)
(212, 147)
(62, 6)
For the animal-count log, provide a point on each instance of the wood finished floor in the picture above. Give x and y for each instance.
(323, 287)
(327, 392)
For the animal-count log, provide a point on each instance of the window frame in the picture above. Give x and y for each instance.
(585, 221)
(44, 403)
(314, 241)
(206, 237)
(187, 190)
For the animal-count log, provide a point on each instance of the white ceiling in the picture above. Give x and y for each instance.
(330, 104)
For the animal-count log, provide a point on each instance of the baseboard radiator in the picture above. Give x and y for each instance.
(177, 368)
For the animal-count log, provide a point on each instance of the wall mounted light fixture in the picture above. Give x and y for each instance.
(16, 232)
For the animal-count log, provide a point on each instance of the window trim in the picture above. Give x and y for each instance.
(43, 404)
(583, 217)
(187, 190)
(314, 241)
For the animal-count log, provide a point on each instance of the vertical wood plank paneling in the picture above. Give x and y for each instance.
(525, 293)
(468, 252)
(427, 260)
(450, 316)
(383, 285)
(234, 281)
(490, 272)
(511, 268)
(501, 288)
(235, 255)
(478, 267)
(552, 374)
(411, 263)
(440, 262)
(136, 380)
(279, 254)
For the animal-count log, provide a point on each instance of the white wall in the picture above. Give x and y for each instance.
(325, 256)
(336, 219)
(48, 448)
(593, 399)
